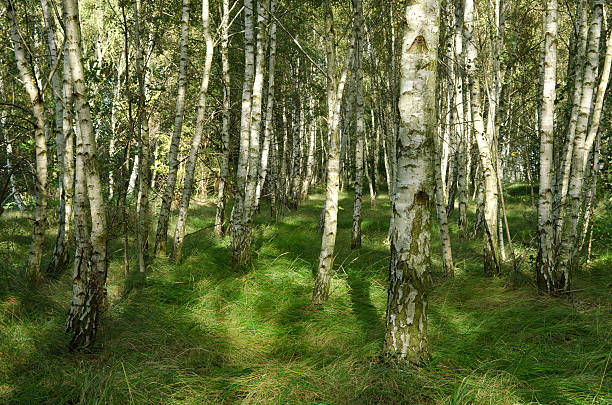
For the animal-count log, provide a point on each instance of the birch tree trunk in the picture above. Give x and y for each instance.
(224, 165)
(335, 89)
(87, 305)
(359, 127)
(179, 232)
(239, 233)
(460, 127)
(447, 254)
(491, 245)
(33, 272)
(563, 176)
(173, 162)
(599, 101)
(409, 268)
(570, 224)
(265, 150)
(142, 211)
(60, 258)
(310, 159)
(546, 274)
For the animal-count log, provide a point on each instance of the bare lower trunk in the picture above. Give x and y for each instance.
(224, 165)
(491, 242)
(87, 306)
(30, 83)
(461, 127)
(173, 162)
(359, 129)
(142, 211)
(545, 267)
(409, 268)
(60, 258)
(335, 89)
(239, 233)
(268, 129)
(179, 233)
(565, 260)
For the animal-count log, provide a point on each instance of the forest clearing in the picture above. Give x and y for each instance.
(321, 202)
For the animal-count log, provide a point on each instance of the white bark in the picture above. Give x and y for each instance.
(359, 127)
(30, 83)
(406, 319)
(335, 89)
(239, 233)
(570, 224)
(179, 233)
(142, 211)
(546, 274)
(265, 149)
(87, 306)
(224, 165)
(491, 245)
(173, 162)
(563, 176)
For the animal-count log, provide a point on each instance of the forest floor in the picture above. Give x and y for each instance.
(200, 332)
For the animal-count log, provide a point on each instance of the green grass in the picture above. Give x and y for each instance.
(200, 332)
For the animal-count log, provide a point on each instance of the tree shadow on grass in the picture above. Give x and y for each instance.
(538, 349)
(366, 313)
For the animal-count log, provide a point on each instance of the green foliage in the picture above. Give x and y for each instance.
(198, 332)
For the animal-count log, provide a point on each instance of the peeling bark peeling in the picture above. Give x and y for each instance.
(409, 268)
(88, 292)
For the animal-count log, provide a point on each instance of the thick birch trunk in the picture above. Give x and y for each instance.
(224, 166)
(179, 232)
(87, 306)
(173, 162)
(545, 271)
(30, 83)
(409, 269)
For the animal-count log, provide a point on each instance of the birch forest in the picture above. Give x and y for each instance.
(305, 202)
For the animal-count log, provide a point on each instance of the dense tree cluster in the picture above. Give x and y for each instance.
(127, 111)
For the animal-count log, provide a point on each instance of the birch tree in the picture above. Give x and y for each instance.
(570, 225)
(359, 127)
(406, 318)
(546, 274)
(224, 164)
(239, 233)
(89, 278)
(173, 162)
(179, 233)
(30, 82)
(142, 211)
(268, 124)
(489, 224)
(335, 89)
